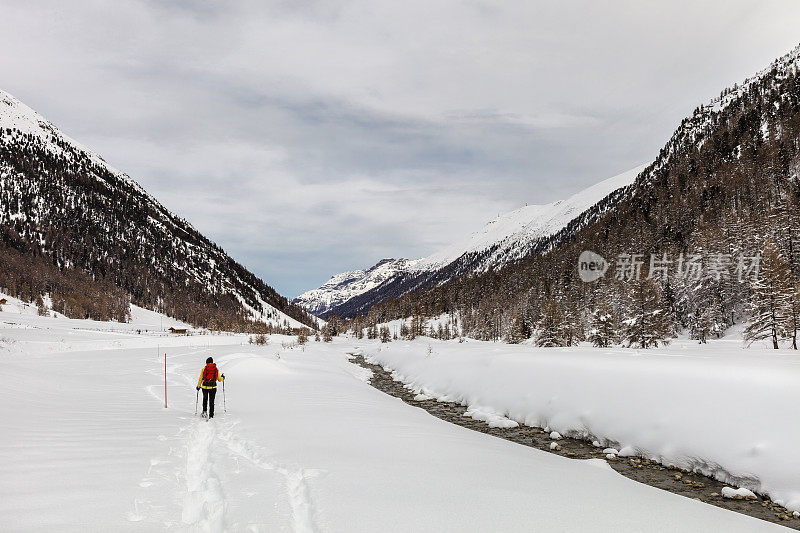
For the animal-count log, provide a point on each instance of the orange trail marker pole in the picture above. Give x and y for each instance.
(165, 380)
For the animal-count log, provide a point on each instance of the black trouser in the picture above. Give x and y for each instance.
(208, 394)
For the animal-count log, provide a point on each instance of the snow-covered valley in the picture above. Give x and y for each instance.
(550, 342)
(306, 443)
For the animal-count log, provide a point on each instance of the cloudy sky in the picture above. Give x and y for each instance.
(312, 137)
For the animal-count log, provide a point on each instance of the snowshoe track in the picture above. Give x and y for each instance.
(204, 503)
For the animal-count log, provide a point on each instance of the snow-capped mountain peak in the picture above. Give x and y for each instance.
(512, 233)
(346, 285)
(506, 238)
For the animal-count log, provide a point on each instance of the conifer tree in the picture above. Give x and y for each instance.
(335, 324)
(771, 303)
(571, 326)
(794, 316)
(516, 329)
(549, 327)
(386, 334)
(701, 325)
(417, 326)
(41, 308)
(675, 301)
(784, 221)
(647, 323)
(604, 330)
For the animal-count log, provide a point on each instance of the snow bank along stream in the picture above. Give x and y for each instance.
(728, 413)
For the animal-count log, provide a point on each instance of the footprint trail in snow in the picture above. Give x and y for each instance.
(198, 472)
(204, 503)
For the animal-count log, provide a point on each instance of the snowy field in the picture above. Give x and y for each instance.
(305, 445)
(719, 409)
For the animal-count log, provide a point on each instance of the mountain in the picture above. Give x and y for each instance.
(505, 239)
(723, 190)
(76, 229)
(342, 287)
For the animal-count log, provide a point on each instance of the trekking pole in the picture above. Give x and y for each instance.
(196, 399)
(224, 407)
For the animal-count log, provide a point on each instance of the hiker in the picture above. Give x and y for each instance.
(208, 381)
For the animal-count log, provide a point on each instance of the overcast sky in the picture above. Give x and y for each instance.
(308, 138)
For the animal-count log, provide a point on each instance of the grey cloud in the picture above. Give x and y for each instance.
(313, 137)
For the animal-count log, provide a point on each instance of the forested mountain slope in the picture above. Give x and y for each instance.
(722, 195)
(75, 228)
